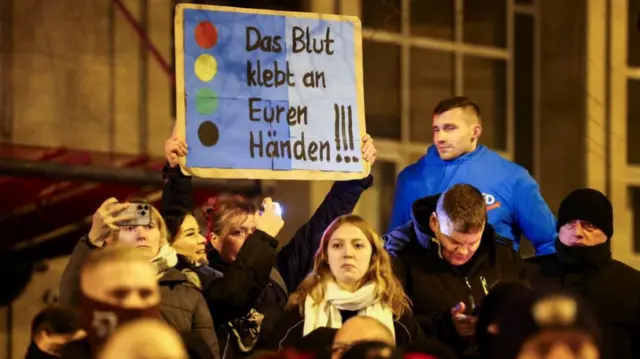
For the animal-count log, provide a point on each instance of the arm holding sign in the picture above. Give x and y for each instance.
(177, 191)
(295, 260)
(233, 294)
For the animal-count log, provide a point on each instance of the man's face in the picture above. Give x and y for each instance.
(145, 238)
(128, 284)
(581, 233)
(457, 248)
(454, 131)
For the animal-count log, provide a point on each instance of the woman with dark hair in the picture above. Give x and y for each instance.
(247, 283)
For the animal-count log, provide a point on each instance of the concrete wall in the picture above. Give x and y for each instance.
(78, 77)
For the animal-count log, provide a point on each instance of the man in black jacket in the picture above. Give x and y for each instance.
(452, 259)
(583, 265)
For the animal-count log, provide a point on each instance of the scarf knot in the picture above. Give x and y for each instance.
(166, 258)
(326, 313)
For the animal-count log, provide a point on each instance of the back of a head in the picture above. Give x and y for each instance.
(112, 254)
(56, 319)
(464, 206)
(144, 339)
(372, 349)
(363, 328)
(507, 304)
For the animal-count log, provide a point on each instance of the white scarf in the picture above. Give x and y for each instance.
(166, 258)
(327, 312)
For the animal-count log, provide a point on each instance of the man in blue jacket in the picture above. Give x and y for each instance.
(514, 203)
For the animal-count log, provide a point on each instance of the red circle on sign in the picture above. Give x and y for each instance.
(206, 35)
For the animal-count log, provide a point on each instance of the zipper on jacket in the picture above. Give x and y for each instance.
(483, 280)
(226, 345)
(472, 301)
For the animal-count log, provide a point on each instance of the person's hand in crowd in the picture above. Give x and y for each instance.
(269, 221)
(174, 148)
(369, 151)
(105, 220)
(464, 324)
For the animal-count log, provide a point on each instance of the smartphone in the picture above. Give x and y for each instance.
(140, 212)
(276, 206)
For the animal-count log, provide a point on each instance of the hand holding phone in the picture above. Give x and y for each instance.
(270, 218)
(139, 214)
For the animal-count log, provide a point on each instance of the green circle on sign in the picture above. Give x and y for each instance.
(206, 101)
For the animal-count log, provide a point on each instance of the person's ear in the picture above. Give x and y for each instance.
(477, 131)
(433, 222)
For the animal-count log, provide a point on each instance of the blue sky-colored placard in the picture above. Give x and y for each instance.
(329, 140)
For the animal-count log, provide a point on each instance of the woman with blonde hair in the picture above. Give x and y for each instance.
(351, 276)
(182, 305)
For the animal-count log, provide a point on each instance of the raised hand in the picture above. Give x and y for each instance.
(269, 221)
(105, 220)
(174, 148)
(369, 151)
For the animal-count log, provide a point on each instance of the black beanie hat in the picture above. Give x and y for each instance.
(589, 205)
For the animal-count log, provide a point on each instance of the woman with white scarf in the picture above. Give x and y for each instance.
(182, 305)
(352, 276)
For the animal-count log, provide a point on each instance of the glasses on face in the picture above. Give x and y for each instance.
(587, 226)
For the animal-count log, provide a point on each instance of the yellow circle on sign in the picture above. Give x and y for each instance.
(206, 67)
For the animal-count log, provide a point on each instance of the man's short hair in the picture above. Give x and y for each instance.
(464, 206)
(113, 253)
(56, 319)
(456, 102)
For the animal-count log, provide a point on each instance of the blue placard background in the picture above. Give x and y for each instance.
(232, 116)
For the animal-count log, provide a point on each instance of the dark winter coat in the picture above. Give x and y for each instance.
(258, 282)
(435, 286)
(609, 287)
(182, 305)
(289, 329)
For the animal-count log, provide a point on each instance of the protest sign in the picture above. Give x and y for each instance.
(269, 94)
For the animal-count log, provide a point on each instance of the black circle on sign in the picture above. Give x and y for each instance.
(208, 133)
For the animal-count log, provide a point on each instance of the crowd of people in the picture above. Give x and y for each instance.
(447, 281)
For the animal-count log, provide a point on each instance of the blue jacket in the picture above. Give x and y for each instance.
(514, 203)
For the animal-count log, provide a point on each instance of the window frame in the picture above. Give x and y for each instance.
(622, 175)
(400, 152)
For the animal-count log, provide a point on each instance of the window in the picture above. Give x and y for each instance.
(431, 80)
(383, 15)
(386, 173)
(382, 89)
(633, 122)
(524, 108)
(485, 22)
(485, 81)
(432, 18)
(419, 52)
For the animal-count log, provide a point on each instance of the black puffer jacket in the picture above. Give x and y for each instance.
(183, 307)
(434, 285)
